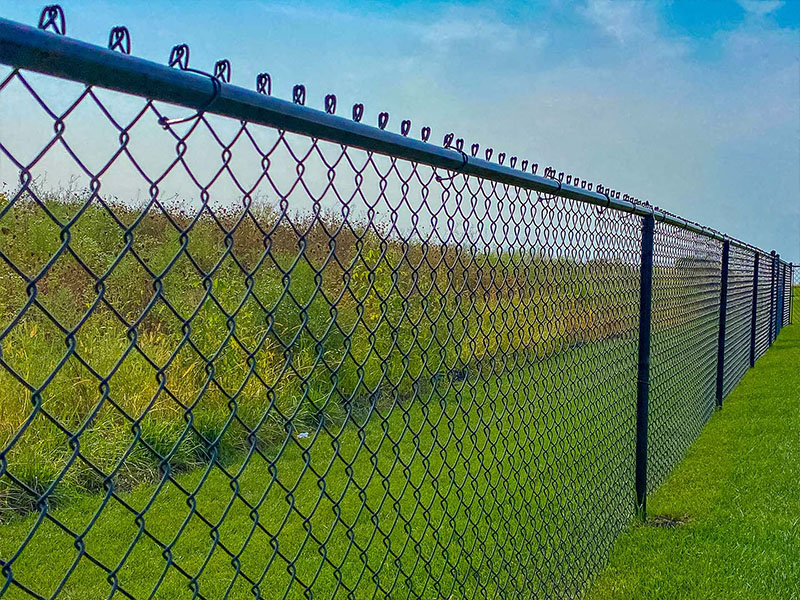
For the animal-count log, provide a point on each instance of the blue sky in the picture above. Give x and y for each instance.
(692, 105)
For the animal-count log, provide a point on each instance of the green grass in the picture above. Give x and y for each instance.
(461, 488)
(738, 492)
(382, 318)
(465, 429)
(357, 460)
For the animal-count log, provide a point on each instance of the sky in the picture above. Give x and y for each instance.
(691, 105)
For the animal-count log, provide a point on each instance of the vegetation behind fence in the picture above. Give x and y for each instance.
(255, 349)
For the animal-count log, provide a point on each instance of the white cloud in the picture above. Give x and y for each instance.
(760, 8)
(622, 20)
(479, 28)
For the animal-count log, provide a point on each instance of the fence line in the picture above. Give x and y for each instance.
(348, 363)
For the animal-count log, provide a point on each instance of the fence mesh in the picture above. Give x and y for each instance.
(795, 298)
(764, 304)
(786, 290)
(738, 317)
(241, 362)
(685, 320)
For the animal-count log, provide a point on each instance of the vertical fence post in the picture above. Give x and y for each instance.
(643, 371)
(754, 313)
(772, 299)
(723, 312)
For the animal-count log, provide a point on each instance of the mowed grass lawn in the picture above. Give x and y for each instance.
(738, 490)
(487, 491)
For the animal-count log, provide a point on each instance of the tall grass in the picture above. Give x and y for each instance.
(143, 341)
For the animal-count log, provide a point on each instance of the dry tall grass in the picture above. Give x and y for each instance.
(142, 340)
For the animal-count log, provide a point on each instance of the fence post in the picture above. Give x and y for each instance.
(643, 371)
(791, 293)
(754, 312)
(723, 312)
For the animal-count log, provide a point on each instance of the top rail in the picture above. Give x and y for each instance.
(32, 49)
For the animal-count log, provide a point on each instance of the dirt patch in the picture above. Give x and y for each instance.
(667, 521)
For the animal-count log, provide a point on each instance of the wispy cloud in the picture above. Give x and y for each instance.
(480, 32)
(760, 8)
(622, 20)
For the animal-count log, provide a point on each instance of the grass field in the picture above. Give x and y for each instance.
(457, 496)
(425, 420)
(445, 429)
(293, 332)
(736, 495)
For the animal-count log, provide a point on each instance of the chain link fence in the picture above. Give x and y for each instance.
(738, 323)
(685, 318)
(250, 349)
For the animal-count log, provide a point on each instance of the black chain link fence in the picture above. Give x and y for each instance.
(784, 284)
(763, 306)
(239, 362)
(685, 317)
(738, 318)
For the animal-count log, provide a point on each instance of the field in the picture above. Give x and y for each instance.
(726, 523)
(243, 402)
(434, 421)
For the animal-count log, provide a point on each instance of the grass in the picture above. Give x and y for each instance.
(371, 315)
(500, 488)
(458, 424)
(736, 495)
(454, 495)
(443, 437)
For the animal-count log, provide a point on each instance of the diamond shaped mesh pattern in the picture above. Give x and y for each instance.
(786, 290)
(764, 304)
(795, 291)
(738, 316)
(686, 291)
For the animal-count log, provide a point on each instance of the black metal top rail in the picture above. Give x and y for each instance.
(37, 50)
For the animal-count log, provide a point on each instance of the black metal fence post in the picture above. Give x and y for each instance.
(754, 312)
(723, 312)
(643, 375)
